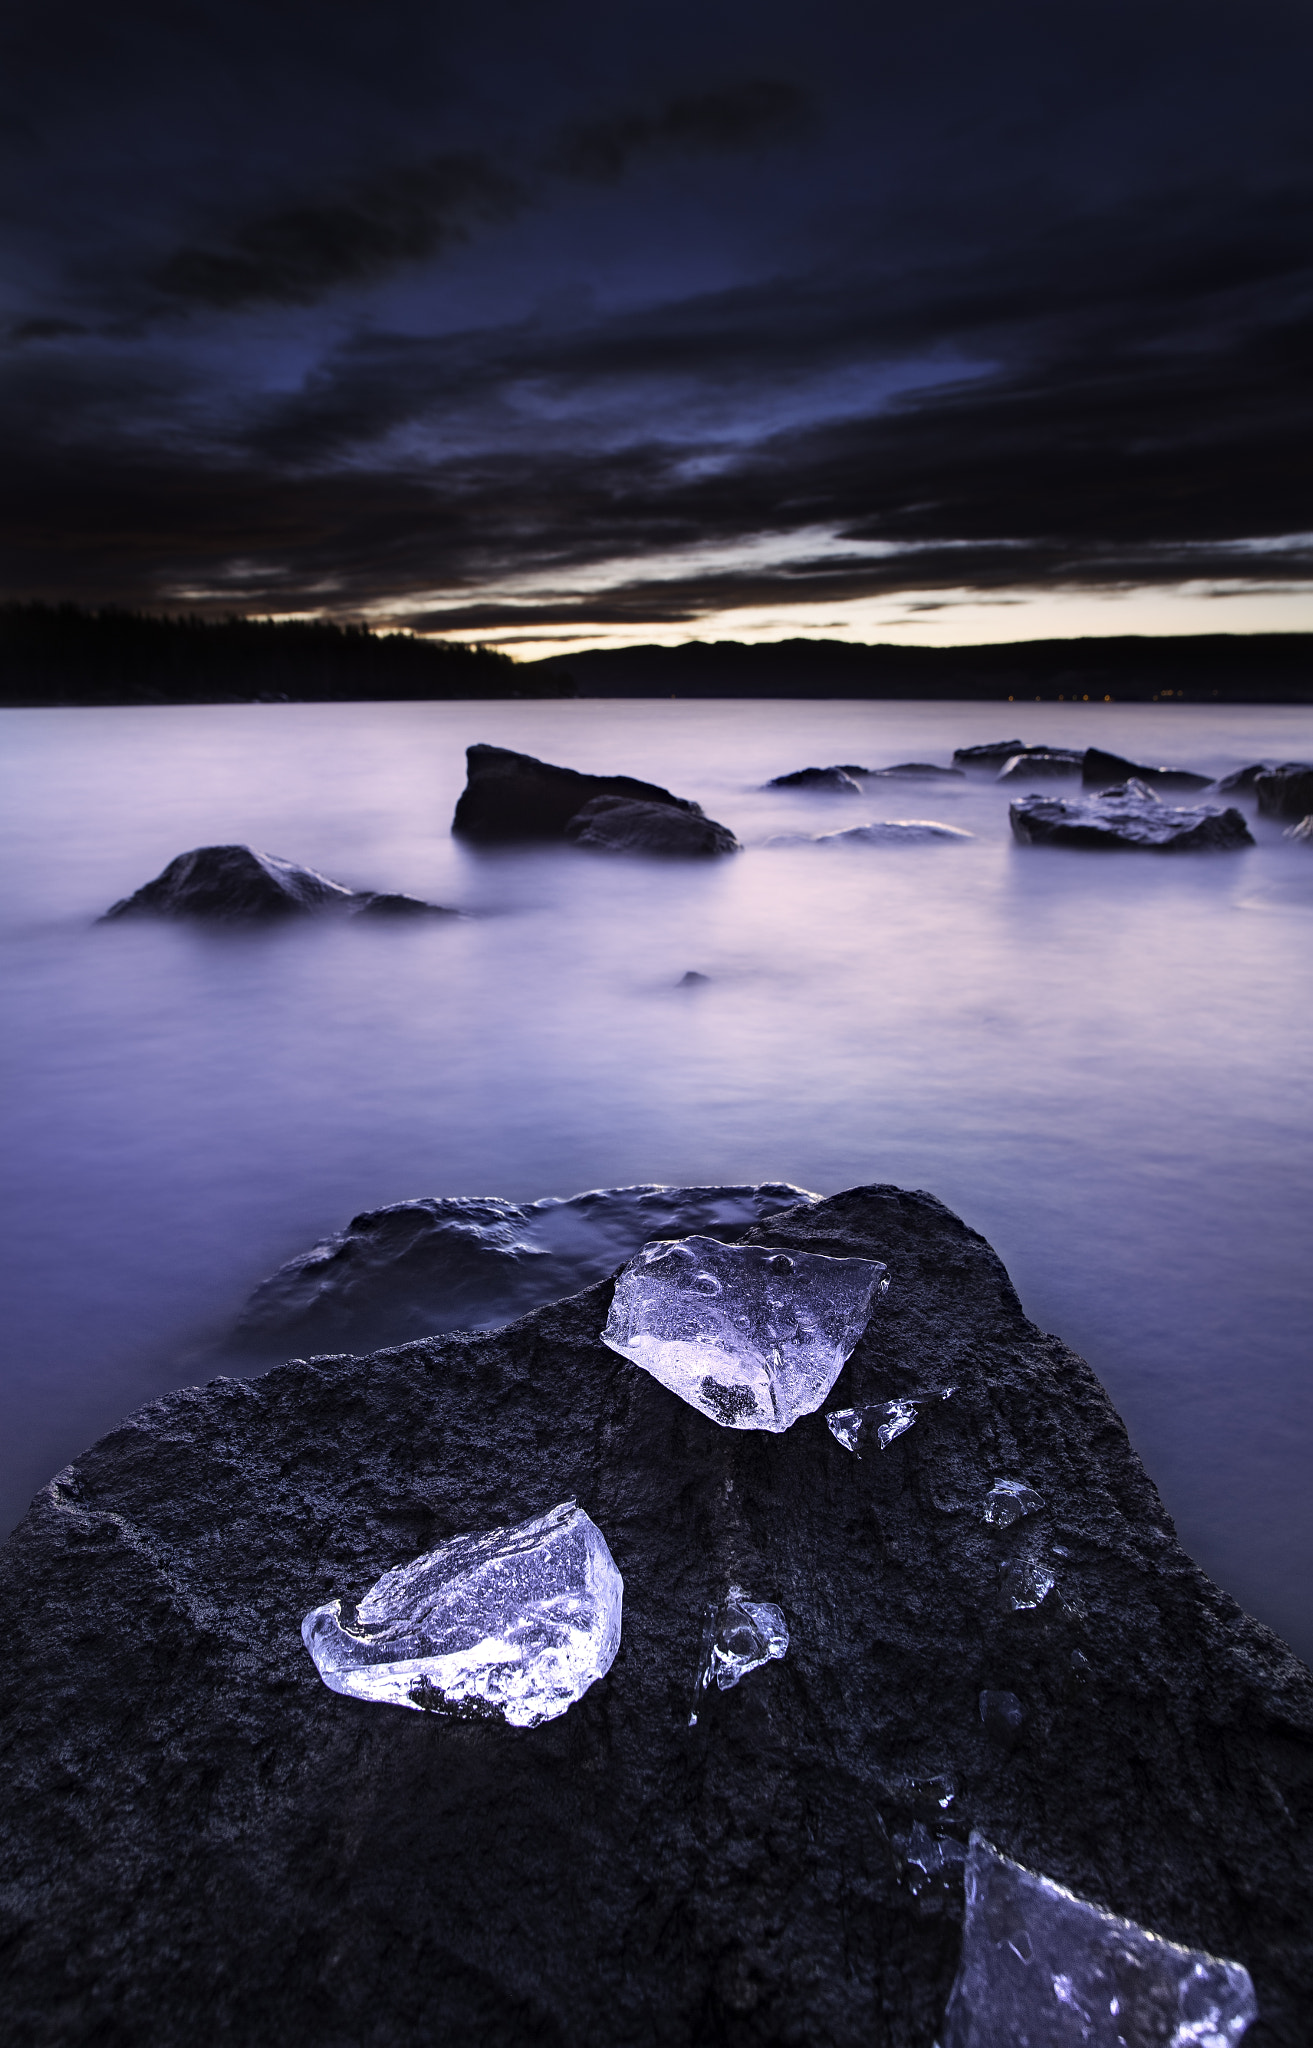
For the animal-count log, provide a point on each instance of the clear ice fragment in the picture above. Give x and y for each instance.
(1008, 1500)
(751, 1335)
(737, 1636)
(1027, 1582)
(1040, 1964)
(888, 1419)
(514, 1624)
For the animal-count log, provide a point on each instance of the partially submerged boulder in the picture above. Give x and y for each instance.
(204, 1842)
(880, 832)
(1241, 780)
(1286, 792)
(621, 824)
(1040, 764)
(825, 781)
(924, 768)
(511, 797)
(990, 754)
(237, 884)
(1100, 770)
(1130, 817)
(452, 1262)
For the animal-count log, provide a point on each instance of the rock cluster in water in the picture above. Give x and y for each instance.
(510, 797)
(203, 1841)
(235, 884)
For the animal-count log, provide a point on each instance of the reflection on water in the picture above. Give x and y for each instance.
(1102, 1062)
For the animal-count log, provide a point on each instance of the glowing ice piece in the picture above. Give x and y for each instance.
(888, 1419)
(514, 1624)
(737, 1637)
(1008, 1500)
(1041, 1965)
(1027, 1582)
(752, 1335)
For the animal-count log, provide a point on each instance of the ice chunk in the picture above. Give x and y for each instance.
(737, 1636)
(1008, 1500)
(888, 1419)
(1027, 1582)
(752, 1335)
(514, 1624)
(1040, 1964)
(931, 1859)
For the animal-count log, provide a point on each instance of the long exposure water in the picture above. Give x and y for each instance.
(1101, 1062)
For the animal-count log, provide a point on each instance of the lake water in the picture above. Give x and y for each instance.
(1101, 1062)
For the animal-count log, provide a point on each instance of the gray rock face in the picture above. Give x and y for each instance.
(204, 1843)
(620, 824)
(1286, 792)
(237, 884)
(835, 781)
(509, 797)
(1100, 771)
(449, 1262)
(1130, 817)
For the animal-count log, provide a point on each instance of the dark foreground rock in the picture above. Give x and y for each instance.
(1286, 792)
(203, 1843)
(620, 824)
(237, 884)
(1132, 817)
(449, 1262)
(509, 797)
(1100, 771)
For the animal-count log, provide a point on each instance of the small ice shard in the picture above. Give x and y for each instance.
(931, 1857)
(1040, 1964)
(1008, 1500)
(737, 1636)
(752, 1335)
(889, 1419)
(1002, 1716)
(1027, 1582)
(514, 1624)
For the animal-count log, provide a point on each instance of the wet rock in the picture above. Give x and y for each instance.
(509, 796)
(1100, 771)
(237, 884)
(1130, 817)
(1241, 780)
(881, 832)
(451, 1262)
(203, 1842)
(922, 768)
(1286, 792)
(992, 754)
(835, 781)
(1303, 831)
(1037, 765)
(620, 824)
(692, 979)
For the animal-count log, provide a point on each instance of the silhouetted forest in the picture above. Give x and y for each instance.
(62, 654)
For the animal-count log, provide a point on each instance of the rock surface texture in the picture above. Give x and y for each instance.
(446, 1262)
(620, 824)
(1286, 792)
(834, 781)
(1130, 817)
(204, 1843)
(237, 884)
(1100, 770)
(509, 797)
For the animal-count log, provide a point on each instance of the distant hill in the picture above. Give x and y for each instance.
(1207, 668)
(61, 654)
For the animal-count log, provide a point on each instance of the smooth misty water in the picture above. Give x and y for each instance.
(1101, 1062)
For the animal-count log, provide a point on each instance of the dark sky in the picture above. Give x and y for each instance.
(628, 321)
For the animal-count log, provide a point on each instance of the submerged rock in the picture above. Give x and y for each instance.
(837, 781)
(509, 797)
(1286, 792)
(914, 768)
(1130, 817)
(1100, 770)
(1038, 766)
(1241, 780)
(1303, 831)
(447, 1262)
(237, 884)
(881, 832)
(620, 824)
(203, 1843)
(990, 753)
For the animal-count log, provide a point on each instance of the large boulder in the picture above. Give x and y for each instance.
(621, 824)
(991, 754)
(203, 1842)
(1041, 764)
(824, 781)
(452, 1262)
(509, 797)
(1286, 792)
(1100, 770)
(237, 884)
(1131, 817)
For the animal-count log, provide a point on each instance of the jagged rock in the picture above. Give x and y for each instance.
(620, 824)
(835, 781)
(450, 1262)
(1286, 792)
(509, 796)
(1100, 771)
(692, 979)
(1040, 764)
(203, 1842)
(236, 883)
(1130, 817)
